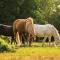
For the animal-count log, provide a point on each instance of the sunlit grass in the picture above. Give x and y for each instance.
(32, 52)
(36, 52)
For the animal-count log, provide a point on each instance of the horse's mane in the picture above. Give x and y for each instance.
(30, 18)
(56, 32)
(54, 29)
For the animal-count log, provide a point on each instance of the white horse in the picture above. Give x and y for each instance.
(45, 31)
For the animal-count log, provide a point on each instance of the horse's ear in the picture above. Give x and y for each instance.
(29, 17)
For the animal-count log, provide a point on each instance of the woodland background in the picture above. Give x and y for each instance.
(42, 11)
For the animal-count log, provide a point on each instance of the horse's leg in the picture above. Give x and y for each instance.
(14, 39)
(20, 39)
(11, 40)
(23, 39)
(44, 40)
(28, 39)
(49, 40)
(17, 39)
(55, 41)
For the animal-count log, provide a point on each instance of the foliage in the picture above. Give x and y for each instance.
(42, 11)
(4, 46)
(55, 17)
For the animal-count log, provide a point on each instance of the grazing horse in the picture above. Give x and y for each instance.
(7, 30)
(45, 31)
(22, 27)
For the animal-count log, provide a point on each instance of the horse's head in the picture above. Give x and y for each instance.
(57, 40)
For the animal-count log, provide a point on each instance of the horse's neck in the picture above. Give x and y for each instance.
(56, 33)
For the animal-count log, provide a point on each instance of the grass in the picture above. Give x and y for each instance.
(28, 51)
(32, 53)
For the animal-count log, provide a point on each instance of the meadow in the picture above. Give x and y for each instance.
(32, 53)
(36, 52)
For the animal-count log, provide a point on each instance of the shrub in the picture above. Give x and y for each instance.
(4, 46)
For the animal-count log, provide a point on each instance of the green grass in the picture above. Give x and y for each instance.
(38, 51)
(32, 53)
(4, 46)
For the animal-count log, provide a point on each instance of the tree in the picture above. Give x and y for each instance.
(40, 10)
(9, 10)
(55, 17)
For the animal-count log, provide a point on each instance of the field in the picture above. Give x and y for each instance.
(32, 53)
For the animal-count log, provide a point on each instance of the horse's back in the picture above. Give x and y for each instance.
(23, 25)
(19, 25)
(42, 30)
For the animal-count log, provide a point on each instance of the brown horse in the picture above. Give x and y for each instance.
(23, 27)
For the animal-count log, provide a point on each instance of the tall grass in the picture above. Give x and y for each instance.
(33, 53)
(5, 46)
(36, 52)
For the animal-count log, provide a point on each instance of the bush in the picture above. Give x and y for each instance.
(4, 46)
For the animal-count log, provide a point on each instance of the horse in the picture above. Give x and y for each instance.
(45, 31)
(7, 30)
(22, 27)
